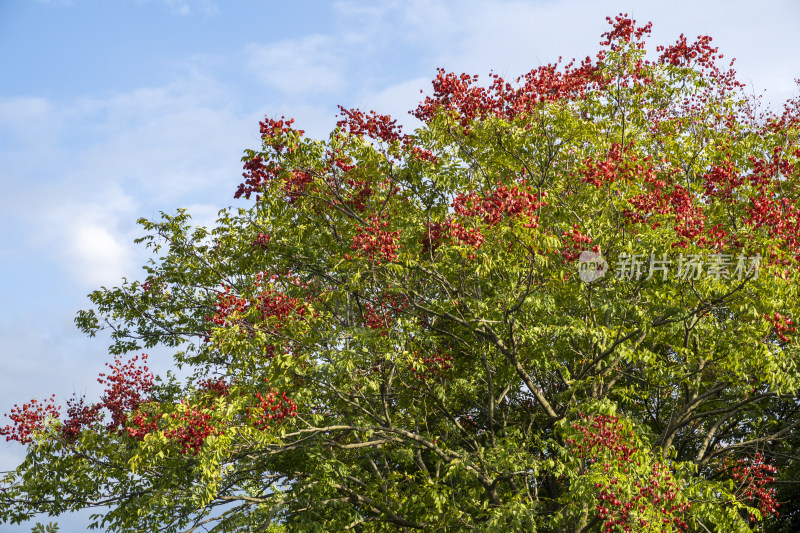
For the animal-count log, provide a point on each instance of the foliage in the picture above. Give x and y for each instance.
(392, 335)
(41, 528)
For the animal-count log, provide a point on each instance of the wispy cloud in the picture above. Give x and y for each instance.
(25, 119)
(308, 65)
(56, 2)
(156, 146)
(183, 8)
(177, 7)
(96, 248)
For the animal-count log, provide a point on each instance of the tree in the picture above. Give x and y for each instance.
(395, 334)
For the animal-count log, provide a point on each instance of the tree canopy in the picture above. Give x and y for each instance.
(394, 334)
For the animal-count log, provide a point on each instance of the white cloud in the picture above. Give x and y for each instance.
(164, 142)
(97, 256)
(397, 100)
(57, 2)
(178, 7)
(510, 37)
(208, 8)
(183, 8)
(308, 65)
(27, 119)
(153, 146)
(86, 229)
(18, 111)
(204, 215)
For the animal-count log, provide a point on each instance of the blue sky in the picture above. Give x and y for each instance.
(115, 109)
